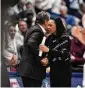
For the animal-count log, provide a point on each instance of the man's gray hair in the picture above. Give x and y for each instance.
(42, 17)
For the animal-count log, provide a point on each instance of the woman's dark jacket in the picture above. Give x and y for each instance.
(59, 60)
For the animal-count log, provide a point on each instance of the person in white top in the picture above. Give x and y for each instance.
(10, 46)
(19, 7)
(14, 41)
(42, 5)
(21, 31)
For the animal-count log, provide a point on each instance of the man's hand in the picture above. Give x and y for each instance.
(44, 61)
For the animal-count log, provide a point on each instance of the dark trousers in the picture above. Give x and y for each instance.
(29, 82)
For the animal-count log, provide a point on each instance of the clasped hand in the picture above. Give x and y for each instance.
(44, 48)
(44, 61)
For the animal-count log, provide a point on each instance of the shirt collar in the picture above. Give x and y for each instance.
(44, 31)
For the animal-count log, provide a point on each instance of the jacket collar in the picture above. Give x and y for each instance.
(44, 31)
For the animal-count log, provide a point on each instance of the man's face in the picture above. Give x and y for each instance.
(46, 26)
(12, 31)
(23, 26)
(63, 12)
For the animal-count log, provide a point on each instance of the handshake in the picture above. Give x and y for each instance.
(44, 48)
(44, 61)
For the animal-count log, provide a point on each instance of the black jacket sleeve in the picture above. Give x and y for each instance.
(33, 41)
(62, 52)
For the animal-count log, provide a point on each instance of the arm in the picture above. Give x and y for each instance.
(33, 41)
(33, 44)
(7, 55)
(62, 52)
(10, 58)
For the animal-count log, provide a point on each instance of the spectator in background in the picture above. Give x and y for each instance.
(20, 35)
(58, 53)
(74, 6)
(56, 6)
(30, 6)
(69, 19)
(28, 15)
(81, 13)
(10, 45)
(78, 44)
(23, 27)
(32, 69)
(67, 3)
(43, 5)
(55, 9)
(78, 48)
(14, 43)
(17, 9)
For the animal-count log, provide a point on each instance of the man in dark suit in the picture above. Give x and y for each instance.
(32, 68)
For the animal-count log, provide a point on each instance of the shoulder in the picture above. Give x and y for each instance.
(36, 28)
(65, 37)
(19, 37)
(18, 34)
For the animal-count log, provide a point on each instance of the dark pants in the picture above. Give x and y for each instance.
(29, 82)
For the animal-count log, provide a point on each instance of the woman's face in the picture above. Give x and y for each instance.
(51, 27)
(12, 31)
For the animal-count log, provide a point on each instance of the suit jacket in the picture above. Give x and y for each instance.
(30, 65)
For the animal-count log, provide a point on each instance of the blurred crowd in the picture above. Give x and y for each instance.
(20, 17)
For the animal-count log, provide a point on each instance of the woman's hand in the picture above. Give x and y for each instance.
(44, 61)
(44, 48)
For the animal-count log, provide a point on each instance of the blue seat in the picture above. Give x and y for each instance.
(77, 79)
